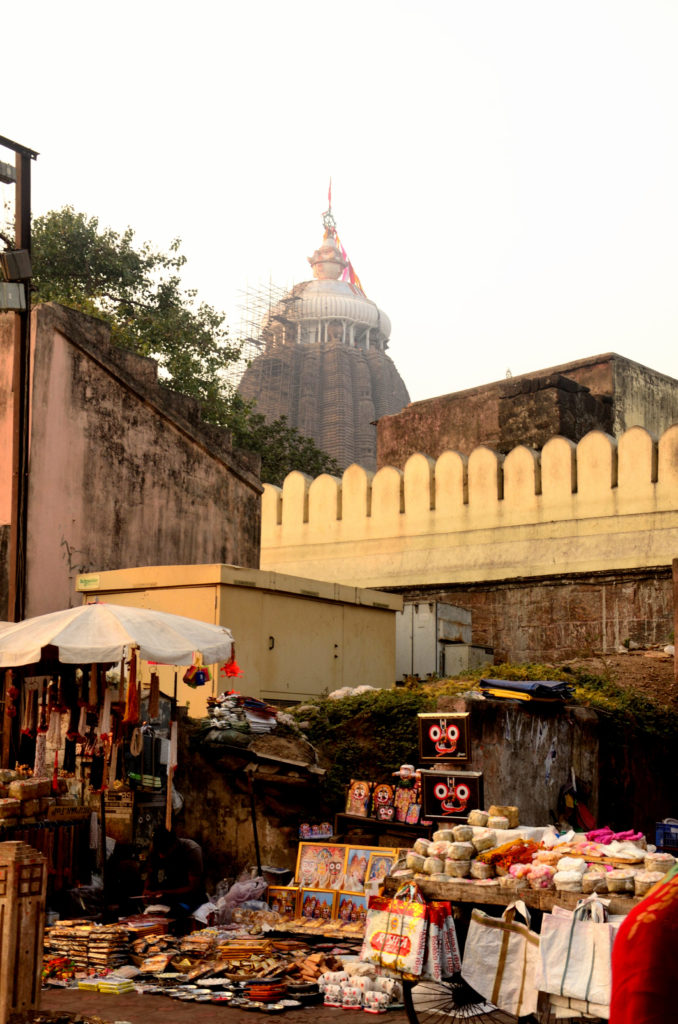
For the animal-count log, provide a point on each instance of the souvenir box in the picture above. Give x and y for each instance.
(450, 795)
(444, 737)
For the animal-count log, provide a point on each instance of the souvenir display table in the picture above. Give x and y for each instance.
(482, 895)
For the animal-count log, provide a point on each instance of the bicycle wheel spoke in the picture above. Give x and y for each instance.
(451, 1002)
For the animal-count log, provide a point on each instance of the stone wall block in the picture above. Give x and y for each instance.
(485, 484)
(294, 504)
(387, 502)
(522, 483)
(419, 493)
(271, 512)
(356, 501)
(596, 474)
(637, 469)
(451, 485)
(324, 508)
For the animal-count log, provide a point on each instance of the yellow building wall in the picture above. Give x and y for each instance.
(597, 505)
(294, 638)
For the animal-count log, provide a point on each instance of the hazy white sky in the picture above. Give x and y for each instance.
(505, 173)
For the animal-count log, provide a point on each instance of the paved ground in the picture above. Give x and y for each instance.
(162, 1010)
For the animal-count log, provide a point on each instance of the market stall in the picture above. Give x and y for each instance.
(84, 733)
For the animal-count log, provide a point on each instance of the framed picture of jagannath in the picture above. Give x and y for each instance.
(317, 903)
(283, 899)
(450, 795)
(351, 906)
(320, 865)
(444, 737)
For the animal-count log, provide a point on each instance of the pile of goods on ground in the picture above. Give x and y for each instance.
(263, 972)
(493, 850)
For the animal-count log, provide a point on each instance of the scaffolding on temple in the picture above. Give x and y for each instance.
(256, 308)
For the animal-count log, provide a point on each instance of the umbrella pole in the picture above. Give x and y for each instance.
(170, 766)
(253, 812)
(102, 819)
(6, 720)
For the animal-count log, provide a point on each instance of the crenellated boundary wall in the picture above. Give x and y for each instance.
(597, 518)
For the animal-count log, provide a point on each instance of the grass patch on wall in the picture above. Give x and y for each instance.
(367, 736)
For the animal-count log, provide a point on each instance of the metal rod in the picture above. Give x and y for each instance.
(253, 812)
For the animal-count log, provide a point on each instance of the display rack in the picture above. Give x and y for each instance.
(345, 822)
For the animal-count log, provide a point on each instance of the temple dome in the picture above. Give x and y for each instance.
(325, 309)
(324, 364)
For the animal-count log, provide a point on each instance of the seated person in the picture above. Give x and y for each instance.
(175, 873)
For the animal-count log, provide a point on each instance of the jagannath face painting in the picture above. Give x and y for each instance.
(445, 736)
(453, 798)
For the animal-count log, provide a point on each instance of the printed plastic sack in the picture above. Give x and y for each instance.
(442, 950)
(395, 931)
(451, 956)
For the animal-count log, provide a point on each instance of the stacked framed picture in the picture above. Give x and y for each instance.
(449, 788)
(330, 881)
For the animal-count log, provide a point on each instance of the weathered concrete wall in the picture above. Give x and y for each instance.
(606, 392)
(122, 470)
(4, 575)
(526, 753)
(217, 811)
(560, 618)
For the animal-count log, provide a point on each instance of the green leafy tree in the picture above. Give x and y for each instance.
(137, 290)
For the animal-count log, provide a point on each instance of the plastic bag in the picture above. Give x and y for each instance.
(244, 889)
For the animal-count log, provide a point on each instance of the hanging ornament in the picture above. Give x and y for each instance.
(154, 696)
(231, 669)
(55, 773)
(11, 694)
(132, 705)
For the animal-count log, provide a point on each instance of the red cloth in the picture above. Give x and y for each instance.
(645, 959)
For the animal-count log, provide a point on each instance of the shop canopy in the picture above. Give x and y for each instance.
(99, 632)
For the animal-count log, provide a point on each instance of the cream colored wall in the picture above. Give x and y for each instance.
(601, 504)
(324, 635)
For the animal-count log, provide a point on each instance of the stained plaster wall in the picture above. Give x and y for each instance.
(569, 515)
(7, 328)
(122, 470)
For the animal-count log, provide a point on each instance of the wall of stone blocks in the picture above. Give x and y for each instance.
(563, 617)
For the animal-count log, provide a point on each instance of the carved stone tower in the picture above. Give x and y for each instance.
(324, 365)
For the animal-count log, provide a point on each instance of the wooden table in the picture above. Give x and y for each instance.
(536, 899)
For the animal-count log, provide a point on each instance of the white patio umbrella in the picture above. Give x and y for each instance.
(98, 632)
